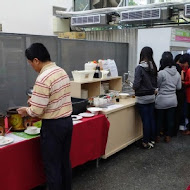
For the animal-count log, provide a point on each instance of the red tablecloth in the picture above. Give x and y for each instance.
(20, 163)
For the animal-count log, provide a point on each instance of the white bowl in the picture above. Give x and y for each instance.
(83, 75)
(94, 110)
(32, 129)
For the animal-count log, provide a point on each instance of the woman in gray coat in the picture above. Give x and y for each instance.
(166, 101)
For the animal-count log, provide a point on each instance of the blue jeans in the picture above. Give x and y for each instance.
(146, 112)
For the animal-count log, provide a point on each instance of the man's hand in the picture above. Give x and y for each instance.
(22, 111)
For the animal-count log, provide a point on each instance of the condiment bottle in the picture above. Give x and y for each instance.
(97, 73)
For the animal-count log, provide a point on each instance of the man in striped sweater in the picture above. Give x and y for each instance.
(51, 101)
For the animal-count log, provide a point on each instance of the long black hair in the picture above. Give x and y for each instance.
(166, 60)
(147, 55)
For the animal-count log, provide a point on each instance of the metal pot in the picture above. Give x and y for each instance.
(15, 120)
(2, 124)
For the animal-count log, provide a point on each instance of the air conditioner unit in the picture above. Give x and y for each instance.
(146, 15)
(90, 20)
(187, 10)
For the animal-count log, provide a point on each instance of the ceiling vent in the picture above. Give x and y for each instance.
(90, 20)
(146, 15)
(187, 10)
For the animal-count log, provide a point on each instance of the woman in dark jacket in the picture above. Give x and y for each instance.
(144, 85)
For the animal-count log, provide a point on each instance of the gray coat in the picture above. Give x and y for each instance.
(168, 81)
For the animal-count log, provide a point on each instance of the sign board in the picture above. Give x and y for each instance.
(180, 35)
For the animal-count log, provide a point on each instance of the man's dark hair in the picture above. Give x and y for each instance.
(185, 58)
(39, 51)
(177, 57)
(166, 60)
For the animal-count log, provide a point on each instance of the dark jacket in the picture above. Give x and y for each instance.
(145, 81)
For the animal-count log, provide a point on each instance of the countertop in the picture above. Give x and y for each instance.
(122, 104)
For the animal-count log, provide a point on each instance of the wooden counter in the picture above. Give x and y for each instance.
(125, 123)
(125, 126)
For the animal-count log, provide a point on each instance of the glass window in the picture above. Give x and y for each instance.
(80, 5)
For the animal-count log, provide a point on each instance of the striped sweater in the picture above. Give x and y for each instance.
(51, 97)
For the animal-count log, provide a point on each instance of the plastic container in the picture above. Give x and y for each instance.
(89, 66)
(79, 76)
(79, 105)
(104, 74)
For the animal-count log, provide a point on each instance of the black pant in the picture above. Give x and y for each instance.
(180, 117)
(55, 146)
(188, 116)
(165, 118)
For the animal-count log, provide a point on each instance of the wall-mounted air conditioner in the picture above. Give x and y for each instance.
(146, 15)
(90, 20)
(187, 10)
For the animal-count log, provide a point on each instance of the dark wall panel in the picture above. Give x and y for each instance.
(12, 71)
(16, 75)
(75, 53)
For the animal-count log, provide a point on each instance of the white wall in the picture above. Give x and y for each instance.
(29, 17)
(156, 38)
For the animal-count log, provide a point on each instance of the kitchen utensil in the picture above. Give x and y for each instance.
(15, 120)
(8, 130)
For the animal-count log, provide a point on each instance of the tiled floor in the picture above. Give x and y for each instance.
(166, 167)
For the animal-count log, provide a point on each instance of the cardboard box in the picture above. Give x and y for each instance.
(72, 35)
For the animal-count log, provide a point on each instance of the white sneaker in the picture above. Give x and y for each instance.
(182, 128)
(150, 144)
